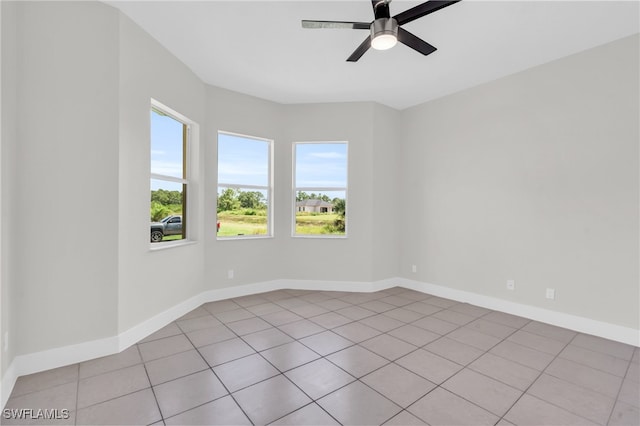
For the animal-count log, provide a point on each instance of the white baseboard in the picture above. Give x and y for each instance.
(58, 357)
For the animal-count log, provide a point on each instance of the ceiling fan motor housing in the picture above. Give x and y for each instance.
(385, 31)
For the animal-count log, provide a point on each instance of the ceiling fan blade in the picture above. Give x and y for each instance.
(414, 42)
(422, 10)
(357, 54)
(336, 24)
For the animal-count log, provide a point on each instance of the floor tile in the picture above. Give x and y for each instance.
(319, 378)
(315, 297)
(103, 387)
(493, 396)
(506, 319)
(208, 336)
(474, 338)
(467, 309)
(537, 342)
(377, 306)
(491, 328)
(357, 360)
(251, 300)
(435, 325)
(226, 351)
(357, 404)
(630, 393)
(188, 392)
(169, 330)
(624, 415)
(550, 331)
(441, 407)
(330, 320)
(175, 366)
(609, 347)
(220, 306)
(414, 335)
(309, 310)
(234, 315)
(247, 326)
(388, 346)
(138, 408)
(265, 308)
(413, 295)
(382, 323)
(532, 411)
(356, 312)
(311, 415)
(454, 350)
(607, 363)
(326, 342)
(61, 397)
(423, 308)
(164, 347)
(223, 411)
(126, 358)
(270, 400)
(430, 366)
(584, 376)
(356, 332)
(396, 300)
(45, 380)
(289, 356)
(197, 312)
(522, 355)
(439, 301)
(300, 329)
(404, 315)
(575, 399)
(281, 318)
(198, 323)
(244, 372)
(404, 418)
(398, 384)
(454, 317)
(505, 371)
(291, 302)
(266, 339)
(333, 304)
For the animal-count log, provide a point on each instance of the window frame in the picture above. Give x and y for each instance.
(186, 181)
(296, 189)
(268, 188)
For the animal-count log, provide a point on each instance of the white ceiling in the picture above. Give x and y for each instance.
(259, 47)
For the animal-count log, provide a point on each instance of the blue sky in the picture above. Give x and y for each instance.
(244, 161)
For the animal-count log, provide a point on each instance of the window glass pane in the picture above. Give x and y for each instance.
(167, 208)
(166, 145)
(243, 161)
(320, 213)
(242, 212)
(322, 165)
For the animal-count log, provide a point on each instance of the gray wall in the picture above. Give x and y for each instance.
(533, 177)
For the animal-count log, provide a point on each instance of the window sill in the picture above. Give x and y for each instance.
(171, 244)
(245, 237)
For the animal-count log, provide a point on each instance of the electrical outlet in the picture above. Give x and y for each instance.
(551, 293)
(511, 284)
(230, 274)
(414, 268)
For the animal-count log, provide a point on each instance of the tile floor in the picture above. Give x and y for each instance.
(396, 357)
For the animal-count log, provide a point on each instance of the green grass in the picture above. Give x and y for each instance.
(233, 224)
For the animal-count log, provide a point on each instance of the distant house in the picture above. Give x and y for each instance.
(314, 206)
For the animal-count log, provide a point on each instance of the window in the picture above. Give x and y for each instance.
(169, 174)
(244, 186)
(320, 189)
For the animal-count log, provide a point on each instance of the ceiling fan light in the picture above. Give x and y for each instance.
(384, 33)
(384, 42)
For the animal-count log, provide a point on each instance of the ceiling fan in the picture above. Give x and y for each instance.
(386, 31)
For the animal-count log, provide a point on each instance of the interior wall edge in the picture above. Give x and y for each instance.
(66, 355)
